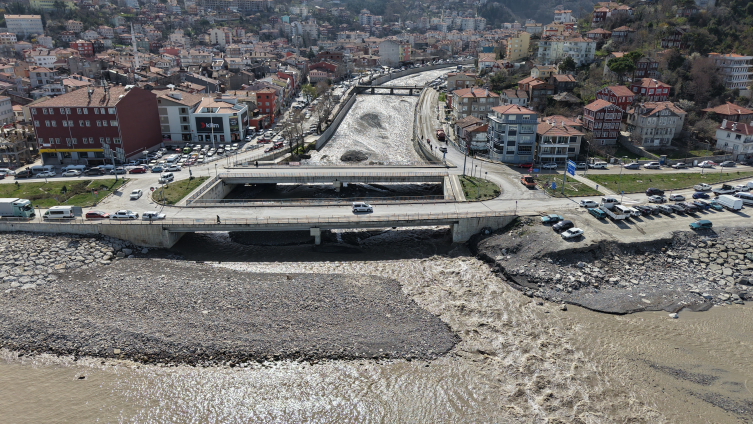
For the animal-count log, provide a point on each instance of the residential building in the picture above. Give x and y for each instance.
(517, 46)
(472, 134)
(543, 72)
(650, 89)
(458, 80)
(538, 91)
(514, 97)
(73, 127)
(556, 141)
(74, 26)
(84, 48)
(220, 119)
(646, 68)
(6, 111)
(534, 28)
(598, 34)
(554, 49)
(24, 25)
(51, 4)
(731, 112)
(618, 95)
(267, 103)
(475, 101)
(8, 38)
(486, 60)
(563, 16)
(41, 76)
(622, 34)
(603, 120)
(655, 124)
(563, 82)
(393, 52)
(675, 39)
(735, 138)
(605, 9)
(174, 108)
(734, 69)
(512, 134)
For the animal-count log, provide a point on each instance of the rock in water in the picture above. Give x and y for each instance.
(354, 156)
(674, 316)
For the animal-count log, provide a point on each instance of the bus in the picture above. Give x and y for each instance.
(171, 159)
(747, 198)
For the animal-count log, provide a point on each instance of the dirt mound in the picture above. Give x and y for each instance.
(354, 156)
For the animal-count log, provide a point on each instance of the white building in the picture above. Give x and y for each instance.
(563, 16)
(46, 41)
(219, 119)
(735, 138)
(89, 35)
(734, 68)
(512, 134)
(217, 37)
(43, 58)
(555, 49)
(174, 108)
(8, 38)
(6, 111)
(389, 53)
(24, 25)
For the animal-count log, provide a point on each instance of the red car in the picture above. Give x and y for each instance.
(97, 215)
(139, 170)
(263, 141)
(525, 165)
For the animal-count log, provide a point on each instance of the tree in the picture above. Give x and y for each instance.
(621, 66)
(567, 65)
(309, 91)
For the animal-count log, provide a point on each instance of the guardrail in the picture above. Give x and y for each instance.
(322, 202)
(203, 188)
(344, 174)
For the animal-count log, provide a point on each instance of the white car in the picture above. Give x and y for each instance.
(152, 215)
(588, 204)
(124, 214)
(572, 233)
(550, 165)
(741, 188)
(173, 168)
(136, 194)
(46, 174)
(706, 164)
(71, 173)
(362, 207)
(676, 198)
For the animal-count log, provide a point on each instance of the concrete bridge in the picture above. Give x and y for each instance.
(371, 89)
(164, 234)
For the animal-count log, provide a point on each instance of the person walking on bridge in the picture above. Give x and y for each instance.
(218, 219)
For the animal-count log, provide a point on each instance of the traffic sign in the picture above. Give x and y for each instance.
(571, 167)
(554, 185)
(151, 188)
(535, 169)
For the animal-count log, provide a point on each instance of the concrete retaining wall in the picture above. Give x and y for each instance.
(218, 190)
(418, 143)
(327, 134)
(467, 227)
(142, 234)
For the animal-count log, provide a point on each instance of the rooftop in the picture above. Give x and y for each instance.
(475, 92)
(729, 109)
(80, 98)
(513, 110)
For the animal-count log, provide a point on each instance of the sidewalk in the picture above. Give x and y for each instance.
(600, 188)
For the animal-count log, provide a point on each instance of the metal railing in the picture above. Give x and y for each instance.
(344, 174)
(322, 202)
(203, 188)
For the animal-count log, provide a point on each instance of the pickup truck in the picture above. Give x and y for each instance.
(726, 189)
(612, 212)
(702, 187)
(528, 181)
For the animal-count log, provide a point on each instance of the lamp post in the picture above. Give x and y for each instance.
(619, 182)
(588, 147)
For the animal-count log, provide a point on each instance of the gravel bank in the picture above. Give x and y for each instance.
(158, 311)
(687, 270)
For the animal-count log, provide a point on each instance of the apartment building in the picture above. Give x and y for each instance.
(474, 101)
(734, 68)
(556, 141)
(174, 108)
(24, 25)
(8, 38)
(75, 26)
(517, 46)
(735, 138)
(731, 112)
(6, 111)
(655, 124)
(554, 49)
(622, 34)
(512, 134)
(650, 89)
(458, 80)
(618, 95)
(646, 68)
(563, 16)
(603, 120)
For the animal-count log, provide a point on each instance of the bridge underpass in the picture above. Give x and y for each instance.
(389, 89)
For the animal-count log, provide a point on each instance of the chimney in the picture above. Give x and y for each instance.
(734, 126)
(724, 123)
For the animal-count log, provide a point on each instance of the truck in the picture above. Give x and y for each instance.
(16, 208)
(702, 187)
(612, 211)
(440, 134)
(730, 202)
(726, 189)
(528, 181)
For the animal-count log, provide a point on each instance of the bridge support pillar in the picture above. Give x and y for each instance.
(467, 227)
(410, 92)
(338, 185)
(372, 90)
(316, 233)
(392, 91)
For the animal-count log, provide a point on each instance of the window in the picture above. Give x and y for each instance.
(33, 111)
(86, 111)
(70, 123)
(111, 110)
(116, 140)
(113, 123)
(101, 140)
(44, 111)
(80, 123)
(68, 110)
(47, 124)
(104, 123)
(96, 111)
(78, 110)
(54, 123)
(87, 124)
(99, 123)
(41, 140)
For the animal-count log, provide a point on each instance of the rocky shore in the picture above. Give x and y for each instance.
(161, 311)
(688, 270)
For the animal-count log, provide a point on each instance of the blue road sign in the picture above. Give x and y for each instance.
(535, 169)
(571, 170)
(554, 186)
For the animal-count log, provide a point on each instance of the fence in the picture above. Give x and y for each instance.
(321, 202)
(204, 187)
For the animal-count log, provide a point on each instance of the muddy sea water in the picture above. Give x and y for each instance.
(517, 361)
(378, 125)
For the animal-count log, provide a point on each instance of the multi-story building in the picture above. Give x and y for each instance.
(24, 25)
(538, 91)
(736, 138)
(267, 102)
(603, 120)
(6, 111)
(554, 49)
(46, 41)
(556, 141)
(220, 119)
(517, 46)
(51, 4)
(474, 101)
(174, 108)
(84, 48)
(393, 52)
(220, 37)
(598, 34)
(734, 68)
(675, 39)
(73, 127)
(75, 26)
(731, 112)
(618, 95)
(650, 89)
(622, 34)
(512, 134)
(39, 76)
(106, 31)
(458, 80)
(514, 97)
(646, 68)
(41, 57)
(563, 82)
(655, 124)
(8, 38)
(543, 72)
(605, 9)
(563, 16)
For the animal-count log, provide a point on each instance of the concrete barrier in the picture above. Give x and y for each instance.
(467, 227)
(217, 190)
(330, 131)
(142, 234)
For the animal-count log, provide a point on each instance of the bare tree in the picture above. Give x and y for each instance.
(325, 106)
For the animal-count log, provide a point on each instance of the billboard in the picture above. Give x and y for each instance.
(208, 125)
(233, 123)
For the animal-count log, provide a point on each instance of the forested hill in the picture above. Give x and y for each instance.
(499, 11)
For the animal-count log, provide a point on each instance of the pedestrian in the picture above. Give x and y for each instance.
(218, 219)
(256, 163)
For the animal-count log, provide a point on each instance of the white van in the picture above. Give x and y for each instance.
(599, 165)
(38, 169)
(74, 168)
(750, 183)
(362, 207)
(167, 177)
(730, 202)
(59, 212)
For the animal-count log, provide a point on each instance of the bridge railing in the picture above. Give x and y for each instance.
(204, 187)
(321, 202)
(343, 175)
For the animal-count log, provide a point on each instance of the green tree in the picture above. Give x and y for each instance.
(567, 65)
(621, 66)
(309, 90)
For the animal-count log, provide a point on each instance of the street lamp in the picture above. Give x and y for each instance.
(619, 183)
(588, 148)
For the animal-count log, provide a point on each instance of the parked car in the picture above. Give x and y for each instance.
(706, 164)
(152, 216)
(550, 165)
(676, 197)
(525, 165)
(588, 204)
(551, 219)
(689, 207)
(652, 165)
(678, 208)
(654, 191)
(124, 214)
(657, 199)
(633, 165)
(26, 173)
(562, 226)
(581, 165)
(71, 173)
(94, 171)
(647, 210)
(727, 164)
(173, 168)
(136, 194)
(117, 171)
(157, 169)
(700, 195)
(572, 233)
(741, 188)
(137, 170)
(702, 187)
(598, 213)
(716, 206)
(701, 205)
(680, 165)
(46, 174)
(666, 210)
(362, 207)
(97, 215)
(703, 224)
